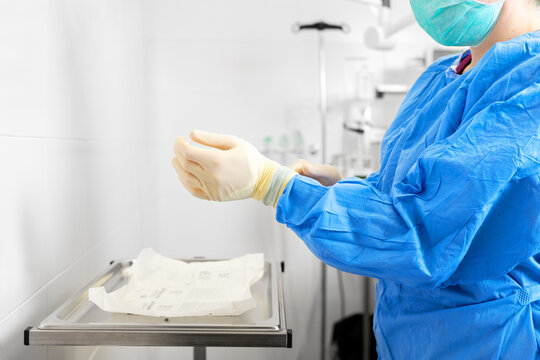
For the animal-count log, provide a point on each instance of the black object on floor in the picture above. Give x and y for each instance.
(348, 339)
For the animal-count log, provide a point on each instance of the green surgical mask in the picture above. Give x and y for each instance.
(457, 22)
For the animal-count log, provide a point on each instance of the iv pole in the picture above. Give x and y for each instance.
(320, 27)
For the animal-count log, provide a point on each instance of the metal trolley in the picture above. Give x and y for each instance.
(78, 322)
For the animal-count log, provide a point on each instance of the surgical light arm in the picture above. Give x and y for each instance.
(377, 37)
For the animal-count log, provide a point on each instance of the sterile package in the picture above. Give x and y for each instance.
(161, 286)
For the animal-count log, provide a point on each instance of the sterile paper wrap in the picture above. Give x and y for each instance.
(161, 286)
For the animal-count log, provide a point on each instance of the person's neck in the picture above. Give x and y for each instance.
(515, 20)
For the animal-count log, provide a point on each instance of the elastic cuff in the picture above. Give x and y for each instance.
(281, 178)
(264, 182)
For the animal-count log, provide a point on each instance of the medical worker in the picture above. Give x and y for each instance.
(450, 224)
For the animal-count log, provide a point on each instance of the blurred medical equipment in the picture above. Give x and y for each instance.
(321, 27)
(378, 37)
(373, 98)
(367, 112)
(287, 145)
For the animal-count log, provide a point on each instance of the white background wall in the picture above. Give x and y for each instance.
(71, 135)
(92, 95)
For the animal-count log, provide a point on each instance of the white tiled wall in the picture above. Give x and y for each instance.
(71, 143)
(92, 95)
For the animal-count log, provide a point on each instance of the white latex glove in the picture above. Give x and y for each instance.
(327, 175)
(230, 169)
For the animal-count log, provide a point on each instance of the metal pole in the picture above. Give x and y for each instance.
(323, 109)
(321, 27)
(323, 94)
(323, 311)
(199, 353)
(366, 319)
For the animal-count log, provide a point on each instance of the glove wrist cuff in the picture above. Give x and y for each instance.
(265, 179)
(273, 182)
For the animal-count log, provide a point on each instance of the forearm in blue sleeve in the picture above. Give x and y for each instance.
(353, 227)
(421, 240)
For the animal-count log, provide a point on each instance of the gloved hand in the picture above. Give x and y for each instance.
(327, 175)
(232, 169)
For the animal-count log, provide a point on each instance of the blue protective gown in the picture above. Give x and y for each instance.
(450, 224)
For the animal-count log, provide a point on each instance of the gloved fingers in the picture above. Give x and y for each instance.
(187, 176)
(187, 152)
(198, 193)
(327, 175)
(317, 171)
(218, 141)
(299, 165)
(188, 165)
(190, 181)
(313, 170)
(304, 167)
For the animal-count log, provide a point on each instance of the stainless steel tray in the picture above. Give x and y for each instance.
(79, 322)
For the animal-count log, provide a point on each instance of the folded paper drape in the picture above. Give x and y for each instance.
(161, 286)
